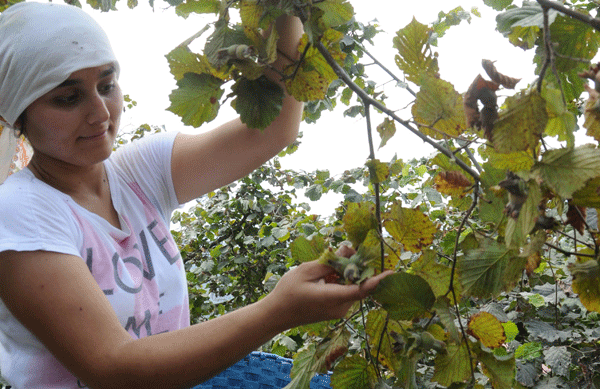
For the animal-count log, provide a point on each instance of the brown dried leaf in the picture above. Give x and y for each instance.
(484, 91)
(576, 217)
(505, 81)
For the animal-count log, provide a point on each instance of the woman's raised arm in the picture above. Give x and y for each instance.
(204, 162)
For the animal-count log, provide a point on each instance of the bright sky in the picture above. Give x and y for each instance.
(141, 38)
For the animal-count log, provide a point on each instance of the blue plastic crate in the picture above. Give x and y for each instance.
(260, 371)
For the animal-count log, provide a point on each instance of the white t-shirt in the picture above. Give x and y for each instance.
(138, 267)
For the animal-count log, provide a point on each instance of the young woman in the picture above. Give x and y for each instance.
(88, 269)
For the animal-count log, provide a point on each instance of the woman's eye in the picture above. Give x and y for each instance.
(67, 100)
(107, 88)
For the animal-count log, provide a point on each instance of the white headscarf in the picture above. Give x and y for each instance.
(41, 45)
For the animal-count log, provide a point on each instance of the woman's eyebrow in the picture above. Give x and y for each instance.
(74, 81)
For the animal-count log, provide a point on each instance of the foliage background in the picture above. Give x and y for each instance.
(488, 261)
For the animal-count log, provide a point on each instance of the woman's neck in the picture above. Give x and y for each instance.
(76, 181)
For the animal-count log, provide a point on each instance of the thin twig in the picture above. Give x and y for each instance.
(564, 252)
(385, 69)
(341, 73)
(593, 22)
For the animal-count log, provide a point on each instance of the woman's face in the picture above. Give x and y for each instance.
(77, 122)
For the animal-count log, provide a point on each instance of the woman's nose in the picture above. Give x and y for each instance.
(98, 109)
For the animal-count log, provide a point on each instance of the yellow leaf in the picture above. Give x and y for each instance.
(488, 329)
(586, 283)
(436, 274)
(251, 13)
(439, 107)
(592, 115)
(515, 162)
(311, 80)
(452, 183)
(410, 227)
(520, 126)
(358, 221)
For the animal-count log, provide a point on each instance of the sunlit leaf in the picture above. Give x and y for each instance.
(335, 12)
(452, 366)
(182, 60)
(586, 283)
(520, 126)
(354, 372)
(378, 171)
(414, 52)
(404, 295)
(410, 227)
(196, 98)
(515, 162)
(561, 122)
(258, 102)
(490, 270)
(574, 42)
(304, 250)
(311, 81)
(439, 107)
(382, 345)
(436, 274)
(452, 183)
(529, 350)
(197, 6)
(386, 131)
(567, 170)
(488, 329)
(358, 221)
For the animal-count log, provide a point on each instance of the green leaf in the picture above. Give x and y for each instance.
(517, 230)
(567, 170)
(196, 99)
(511, 330)
(414, 52)
(453, 366)
(197, 6)
(442, 308)
(437, 275)
(446, 20)
(439, 107)
(522, 25)
(490, 270)
(589, 195)
(353, 372)
(561, 122)
(520, 126)
(335, 12)
(304, 250)
(405, 296)
(498, 5)
(500, 370)
(182, 60)
(528, 351)
(574, 41)
(304, 368)
(257, 101)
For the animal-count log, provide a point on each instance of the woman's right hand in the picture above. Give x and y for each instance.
(301, 296)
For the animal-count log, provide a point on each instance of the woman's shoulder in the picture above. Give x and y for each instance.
(22, 191)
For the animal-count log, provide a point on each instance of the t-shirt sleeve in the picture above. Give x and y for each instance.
(31, 219)
(147, 162)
